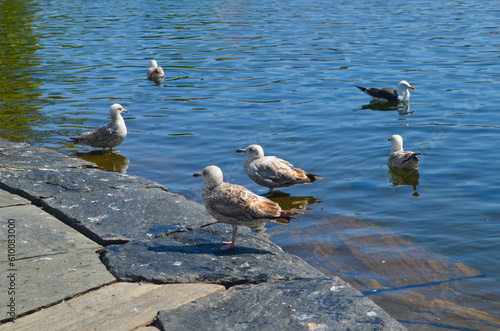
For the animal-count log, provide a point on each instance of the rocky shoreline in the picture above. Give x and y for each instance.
(145, 234)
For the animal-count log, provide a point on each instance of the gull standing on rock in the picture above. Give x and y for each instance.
(236, 205)
(109, 135)
(155, 73)
(271, 171)
(402, 94)
(399, 158)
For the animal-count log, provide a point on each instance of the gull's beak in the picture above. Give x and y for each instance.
(197, 174)
(389, 139)
(124, 111)
(241, 151)
(411, 88)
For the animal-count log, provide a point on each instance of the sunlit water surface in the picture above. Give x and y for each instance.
(280, 74)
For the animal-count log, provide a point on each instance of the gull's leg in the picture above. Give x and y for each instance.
(232, 243)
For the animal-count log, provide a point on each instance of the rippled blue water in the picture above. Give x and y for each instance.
(282, 74)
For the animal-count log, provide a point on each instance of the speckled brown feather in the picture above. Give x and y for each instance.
(234, 204)
(273, 172)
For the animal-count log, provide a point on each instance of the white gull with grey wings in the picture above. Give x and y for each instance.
(109, 135)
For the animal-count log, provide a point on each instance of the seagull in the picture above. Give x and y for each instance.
(271, 171)
(400, 159)
(402, 94)
(109, 135)
(155, 73)
(236, 205)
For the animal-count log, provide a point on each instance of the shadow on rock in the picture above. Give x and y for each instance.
(207, 249)
(194, 257)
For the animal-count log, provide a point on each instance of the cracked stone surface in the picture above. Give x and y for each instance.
(7, 199)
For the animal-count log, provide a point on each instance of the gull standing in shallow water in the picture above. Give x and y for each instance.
(271, 171)
(399, 158)
(155, 73)
(109, 135)
(402, 94)
(236, 205)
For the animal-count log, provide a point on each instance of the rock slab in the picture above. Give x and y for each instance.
(39, 234)
(7, 199)
(120, 306)
(308, 304)
(193, 256)
(107, 207)
(50, 261)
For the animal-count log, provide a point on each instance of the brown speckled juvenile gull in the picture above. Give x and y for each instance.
(402, 94)
(155, 73)
(235, 205)
(400, 159)
(109, 135)
(271, 171)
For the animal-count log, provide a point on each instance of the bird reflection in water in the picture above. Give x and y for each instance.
(107, 161)
(287, 202)
(405, 177)
(403, 108)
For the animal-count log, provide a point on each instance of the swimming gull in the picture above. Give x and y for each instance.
(109, 135)
(402, 94)
(236, 205)
(271, 171)
(399, 158)
(155, 73)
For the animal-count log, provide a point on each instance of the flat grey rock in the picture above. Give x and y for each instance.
(116, 307)
(193, 256)
(7, 199)
(107, 207)
(24, 156)
(39, 234)
(308, 304)
(116, 210)
(44, 280)
(45, 260)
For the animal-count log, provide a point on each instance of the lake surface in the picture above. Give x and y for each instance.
(280, 74)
